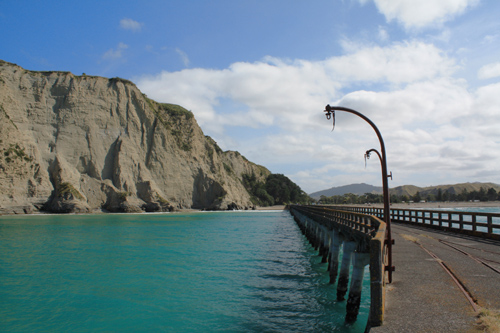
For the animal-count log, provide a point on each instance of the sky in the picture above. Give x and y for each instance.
(258, 74)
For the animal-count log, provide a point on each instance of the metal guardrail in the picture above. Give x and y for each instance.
(369, 232)
(360, 226)
(484, 225)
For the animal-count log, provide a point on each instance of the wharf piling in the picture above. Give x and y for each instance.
(361, 238)
(348, 250)
(333, 262)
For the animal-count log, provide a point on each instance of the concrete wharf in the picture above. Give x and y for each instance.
(447, 265)
(424, 297)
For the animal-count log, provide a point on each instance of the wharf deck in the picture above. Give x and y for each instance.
(424, 297)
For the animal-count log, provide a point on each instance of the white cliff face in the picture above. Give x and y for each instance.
(83, 143)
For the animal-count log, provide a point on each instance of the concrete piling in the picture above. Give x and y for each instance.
(333, 264)
(348, 250)
(328, 230)
(325, 241)
(354, 300)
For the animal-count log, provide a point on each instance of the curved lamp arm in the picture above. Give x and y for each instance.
(330, 113)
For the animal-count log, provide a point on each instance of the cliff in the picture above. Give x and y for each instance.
(84, 143)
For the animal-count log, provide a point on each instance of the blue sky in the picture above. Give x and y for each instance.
(257, 75)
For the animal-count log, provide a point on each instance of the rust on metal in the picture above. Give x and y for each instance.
(330, 113)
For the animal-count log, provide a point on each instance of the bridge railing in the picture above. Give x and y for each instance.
(324, 225)
(484, 225)
(361, 226)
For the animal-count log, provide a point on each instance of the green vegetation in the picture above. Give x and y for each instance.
(16, 152)
(123, 195)
(7, 116)
(173, 118)
(213, 144)
(228, 169)
(277, 189)
(184, 145)
(162, 200)
(119, 79)
(482, 194)
(65, 189)
(175, 110)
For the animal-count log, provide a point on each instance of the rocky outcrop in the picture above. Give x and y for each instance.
(84, 143)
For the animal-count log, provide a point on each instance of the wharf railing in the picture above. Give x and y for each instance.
(332, 228)
(479, 224)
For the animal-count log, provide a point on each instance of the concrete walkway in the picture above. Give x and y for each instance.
(424, 297)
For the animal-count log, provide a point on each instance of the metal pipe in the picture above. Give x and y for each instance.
(330, 112)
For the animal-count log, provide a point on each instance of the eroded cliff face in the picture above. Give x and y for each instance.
(84, 143)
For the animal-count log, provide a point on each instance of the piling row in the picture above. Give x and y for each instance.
(329, 242)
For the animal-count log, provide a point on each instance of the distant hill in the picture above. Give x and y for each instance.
(357, 189)
(408, 190)
(411, 190)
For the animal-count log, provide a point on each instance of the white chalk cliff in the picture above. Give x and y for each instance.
(84, 143)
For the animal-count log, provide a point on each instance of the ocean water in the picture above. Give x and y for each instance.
(482, 219)
(196, 272)
(495, 210)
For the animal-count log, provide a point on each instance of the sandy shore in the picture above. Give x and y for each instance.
(280, 207)
(188, 210)
(425, 205)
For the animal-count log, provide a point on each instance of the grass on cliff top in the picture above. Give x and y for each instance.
(175, 110)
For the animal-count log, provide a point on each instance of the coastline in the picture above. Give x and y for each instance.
(413, 205)
(277, 207)
(190, 210)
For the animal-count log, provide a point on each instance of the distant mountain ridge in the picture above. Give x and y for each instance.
(408, 190)
(357, 189)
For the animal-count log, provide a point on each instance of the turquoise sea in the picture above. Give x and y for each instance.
(198, 272)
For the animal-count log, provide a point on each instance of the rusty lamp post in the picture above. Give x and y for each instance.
(330, 113)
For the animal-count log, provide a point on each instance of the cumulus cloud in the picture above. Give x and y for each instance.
(427, 117)
(398, 63)
(489, 71)
(292, 90)
(129, 24)
(422, 13)
(115, 53)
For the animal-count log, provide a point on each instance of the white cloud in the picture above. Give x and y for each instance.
(383, 35)
(398, 63)
(129, 24)
(292, 91)
(434, 126)
(184, 56)
(115, 53)
(422, 13)
(489, 71)
(435, 101)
